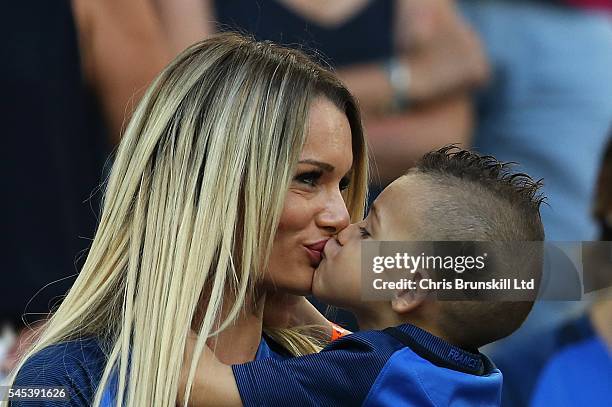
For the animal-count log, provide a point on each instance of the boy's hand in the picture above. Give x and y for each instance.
(287, 311)
(213, 384)
(282, 310)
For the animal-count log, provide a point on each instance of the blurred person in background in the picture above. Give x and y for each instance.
(71, 71)
(548, 106)
(411, 64)
(579, 370)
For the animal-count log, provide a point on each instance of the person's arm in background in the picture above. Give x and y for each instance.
(398, 142)
(23, 341)
(445, 61)
(185, 22)
(123, 48)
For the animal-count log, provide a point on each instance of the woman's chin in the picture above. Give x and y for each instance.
(295, 286)
(303, 291)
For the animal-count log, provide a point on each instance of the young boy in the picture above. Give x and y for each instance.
(412, 350)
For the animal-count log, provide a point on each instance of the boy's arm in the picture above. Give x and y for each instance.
(214, 383)
(290, 311)
(284, 310)
(216, 388)
(342, 374)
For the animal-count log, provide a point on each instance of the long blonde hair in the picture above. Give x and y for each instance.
(192, 205)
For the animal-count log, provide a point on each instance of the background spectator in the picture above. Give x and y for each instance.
(70, 72)
(427, 40)
(579, 369)
(548, 106)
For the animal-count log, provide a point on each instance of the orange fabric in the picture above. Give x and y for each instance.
(338, 332)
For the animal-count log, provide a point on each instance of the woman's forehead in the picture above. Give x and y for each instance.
(329, 138)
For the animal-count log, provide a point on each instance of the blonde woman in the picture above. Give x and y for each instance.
(241, 160)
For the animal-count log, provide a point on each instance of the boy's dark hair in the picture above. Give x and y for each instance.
(478, 198)
(500, 205)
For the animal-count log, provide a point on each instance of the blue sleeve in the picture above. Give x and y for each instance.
(76, 365)
(341, 374)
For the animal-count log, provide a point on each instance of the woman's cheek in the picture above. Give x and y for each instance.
(289, 268)
(297, 212)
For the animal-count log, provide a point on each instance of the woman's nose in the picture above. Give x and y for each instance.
(334, 216)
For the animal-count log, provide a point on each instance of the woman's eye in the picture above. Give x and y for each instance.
(309, 178)
(364, 233)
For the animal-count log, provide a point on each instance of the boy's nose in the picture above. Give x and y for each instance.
(345, 234)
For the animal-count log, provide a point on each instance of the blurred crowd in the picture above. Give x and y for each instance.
(525, 81)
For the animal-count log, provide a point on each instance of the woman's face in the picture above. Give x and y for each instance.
(314, 208)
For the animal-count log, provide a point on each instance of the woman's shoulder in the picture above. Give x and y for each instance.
(77, 365)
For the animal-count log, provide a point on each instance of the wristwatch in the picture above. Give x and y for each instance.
(398, 74)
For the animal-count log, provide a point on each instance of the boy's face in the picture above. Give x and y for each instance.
(393, 217)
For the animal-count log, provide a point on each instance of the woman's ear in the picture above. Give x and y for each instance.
(410, 299)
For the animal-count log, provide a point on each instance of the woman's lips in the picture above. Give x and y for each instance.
(315, 252)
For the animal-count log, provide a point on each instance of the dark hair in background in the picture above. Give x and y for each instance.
(603, 194)
(478, 198)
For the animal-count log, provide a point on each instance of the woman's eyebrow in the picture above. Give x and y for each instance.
(324, 166)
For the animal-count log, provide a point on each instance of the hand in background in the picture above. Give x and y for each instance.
(445, 61)
(444, 53)
(23, 342)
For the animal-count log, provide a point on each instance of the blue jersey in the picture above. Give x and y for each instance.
(578, 375)
(78, 365)
(402, 366)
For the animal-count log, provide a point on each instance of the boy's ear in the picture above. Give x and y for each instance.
(408, 300)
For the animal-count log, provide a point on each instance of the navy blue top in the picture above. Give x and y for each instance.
(367, 36)
(398, 366)
(78, 365)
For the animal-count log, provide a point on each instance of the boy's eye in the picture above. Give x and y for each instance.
(364, 233)
(309, 178)
(344, 183)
